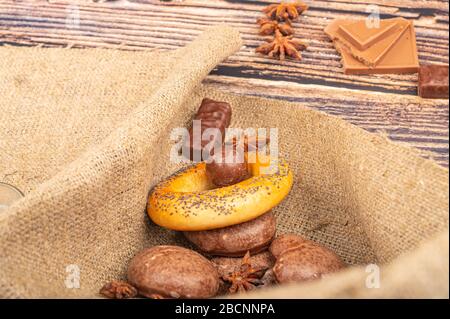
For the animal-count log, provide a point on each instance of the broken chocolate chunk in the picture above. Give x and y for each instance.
(433, 81)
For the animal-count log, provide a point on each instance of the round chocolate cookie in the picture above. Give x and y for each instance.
(306, 262)
(285, 242)
(173, 272)
(236, 240)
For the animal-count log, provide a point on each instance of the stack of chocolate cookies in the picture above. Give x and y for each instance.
(266, 259)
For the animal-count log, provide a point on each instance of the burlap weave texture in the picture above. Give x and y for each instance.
(85, 133)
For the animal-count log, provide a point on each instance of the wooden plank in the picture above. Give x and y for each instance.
(169, 26)
(407, 120)
(143, 25)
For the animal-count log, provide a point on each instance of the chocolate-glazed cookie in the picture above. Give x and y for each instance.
(306, 262)
(285, 242)
(236, 240)
(173, 272)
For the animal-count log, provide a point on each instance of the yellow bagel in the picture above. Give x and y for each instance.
(188, 202)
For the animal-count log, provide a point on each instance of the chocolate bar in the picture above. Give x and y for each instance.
(433, 81)
(213, 115)
(376, 52)
(362, 36)
(395, 53)
(216, 108)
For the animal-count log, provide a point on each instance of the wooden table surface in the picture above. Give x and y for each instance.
(386, 104)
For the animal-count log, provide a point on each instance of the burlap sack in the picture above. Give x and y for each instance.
(85, 134)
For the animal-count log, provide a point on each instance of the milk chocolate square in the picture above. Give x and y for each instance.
(401, 58)
(433, 81)
(376, 52)
(362, 37)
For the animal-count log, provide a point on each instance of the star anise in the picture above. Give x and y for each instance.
(269, 26)
(281, 46)
(246, 277)
(118, 290)
(285, 11)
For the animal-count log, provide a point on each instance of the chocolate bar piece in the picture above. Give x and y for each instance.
(433, 81)
(399, 56)
(376, 52)
(215, 109)
(212, 115)
(362, 35)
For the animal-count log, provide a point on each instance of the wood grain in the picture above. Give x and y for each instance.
(386, 104)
